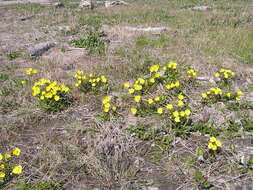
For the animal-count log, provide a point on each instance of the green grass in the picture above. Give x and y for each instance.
(79, 148)
(40, 186)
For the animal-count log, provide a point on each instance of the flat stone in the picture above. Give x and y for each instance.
(206, 79)
(13, 2)
(114, 3)
(41, 48)
(200, 8)
(86, 4)
(146, 29)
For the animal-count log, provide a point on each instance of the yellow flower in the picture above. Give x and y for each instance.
(137, 98)
(106, 110)
(217, 91)
(168, 86)
(218, 143)
(177, 119)
(180, 103)
(157, 75)
(204, 95)
(16, 151)
(182, 113)
(180, 97)
(157, 98)
(133, 111)
(187, 112)
(150, 101)
(2, 174)
(237, 98)
(131, 90)
(210, 145)
(141, 80)
(164, 68)
(2, 166)
(7, 156)
(177, 84)
(126, 85)
(17, 169)
(42, 97)
(172, 65)
(175, 114)
(160, 110)
(49, 95)
(114, 108)
(35, 71)
(217, 75)
(1, 156)
(152, 80)
(103, 79)
(23, 82)
(137, 87)
(154, 68)
(212, 139)
(56, 98)
(214, 147)
(169, 106)
(79, 72)
(106, 99)
(228, 94)
(239, 93)
(107, 105)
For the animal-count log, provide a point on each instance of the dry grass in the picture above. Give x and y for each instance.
(80, 150)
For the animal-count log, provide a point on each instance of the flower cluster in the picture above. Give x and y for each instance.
(51, 95)
(107, 105)
(45, 89)
(90, 82)
(178, 112)
(172, 85)
(216, 94)
(191, 73)
(212, 93)
(7, 167)
(214, 144)
(31, 71)
(138, 87)
(224, 74)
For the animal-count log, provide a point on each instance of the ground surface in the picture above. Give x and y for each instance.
(78, 149)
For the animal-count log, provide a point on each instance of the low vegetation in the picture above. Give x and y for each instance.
(112, 109)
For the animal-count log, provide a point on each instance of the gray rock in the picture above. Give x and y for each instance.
(146, 29)
(26, 17)
(200, 8)
(114, 3)
(245, 149)
(150, 188)
(58, 5)
(86, 4)
(41, 48)
(206, 79)
(13, 2)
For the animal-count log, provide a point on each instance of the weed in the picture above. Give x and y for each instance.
(92, 43)
(40, 186)
(13, 55)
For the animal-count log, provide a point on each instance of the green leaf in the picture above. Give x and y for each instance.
(199, 151)
(199, 176)
(250, 162)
